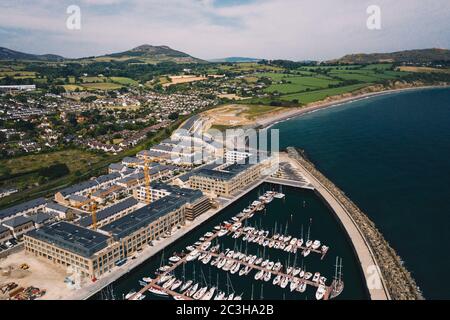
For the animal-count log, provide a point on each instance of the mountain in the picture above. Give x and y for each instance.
(235, 59)
(151, 54)
(8, 54)
(415, 56)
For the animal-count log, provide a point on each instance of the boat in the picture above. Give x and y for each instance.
(264, 263)
(190, 248)
(301, 287)
(192, 290)
(235, 219)
(288, 248)
(169, 283)
(316, 277)
(130, 294)
(186, 285)
(299, 242)
(200, 293)
(221, 263)
(235, 268)
(209, 234)
(322, 280)
(284, 282)
(309, 243)
(208, 295)
(231, 296)
(142, 283)
(289, 270)
(258, 261)
(270, 265)
(174, 259)
(207, 259)
(147, 279)
(267, 276)
(222, 232)
(279, 195)
(294, 285)
(202, 256)
(316, 244)
(308, 275)
(193, 255)
(179, 297)
(276, 280)
(306, 252)
(320, 292)
(301, 274)
(220, 295)
(206, 245)
(157, 291)
(176, 284)
(217, 228)
(238, 297)
(164, 278)
(259, 275)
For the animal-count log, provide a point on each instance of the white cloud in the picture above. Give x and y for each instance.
(293, 29)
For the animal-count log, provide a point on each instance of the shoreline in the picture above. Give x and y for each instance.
(319, 105)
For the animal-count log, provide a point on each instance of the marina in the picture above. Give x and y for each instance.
(237, 261)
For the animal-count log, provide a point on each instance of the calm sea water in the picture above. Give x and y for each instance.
(300, 208)
(391, 154)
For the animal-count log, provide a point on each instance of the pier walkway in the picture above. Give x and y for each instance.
(363, 251)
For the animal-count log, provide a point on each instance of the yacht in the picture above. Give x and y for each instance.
(220, 295)
(301, 287)
(176, 285)
(208, 295)
(157, 291)
(200, 293)
(284, 282)
(186, 285)
(308, 275)
(294, 285)
(276, 280)
(322, 280)
(207, 259)
(235, 268)
(320, 292)
(130, 294)
(190, 248)
(258, 261)
(179, 297)
(316, 277)
(309, 243)
(221, 263)
(267, 276)
(270, 265)
(306, 252)
(164, 278)
(316, 244)
(299, 242)
(147, 279)
(296, 271)
(222, 232)
(259, 275)
(279, 195)
(169, 283)
(192, 290)
(174, 259)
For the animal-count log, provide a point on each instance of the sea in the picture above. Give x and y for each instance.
(391, 155)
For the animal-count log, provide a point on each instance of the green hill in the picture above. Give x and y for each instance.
(8, 54)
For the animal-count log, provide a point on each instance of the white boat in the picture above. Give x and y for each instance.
(217, 228)
(200, 293)
(193, 255)
(147, 279)
(130, 294)
(209, 234)
(264, 263)
(208, 295)
(190, 248)
(279, 195)
(309, 243)
(179, 297)
(293, 241)
(174, 259)
(237, 298)
(320, 292)
(301, 287)
(316, 277)
(192, 290)
(157, 291)
(206, 245)
(270, 265)
(294, 285)
(308, 275)
(296, 271)
(288, 248)
(235, 219)
(306, 252)
(259, 275)
(258, 261)
(176, 285)
(220, 295)
(231, 296)
(228, 265)
(289, 270)
(316, 244)
(284, 282)
(207, 259)
(221, 263)
(301, 274)
(267, 276)
(186, 285)
(235, 268)
(222, 232)
(276, 280)
(164, 278)
(169, 283)
(277, 266)
(322, 280)
(202, 256)
(299, 242)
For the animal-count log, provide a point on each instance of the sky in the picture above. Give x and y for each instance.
(271, 29)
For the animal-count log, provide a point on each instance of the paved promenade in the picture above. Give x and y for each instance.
(363, 250)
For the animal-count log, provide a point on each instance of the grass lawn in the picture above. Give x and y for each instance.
(254, 111)
(124, 81)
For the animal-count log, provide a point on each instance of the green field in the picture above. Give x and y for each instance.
(124, 81)
(101, 86)
(294, 83)
(312, 96)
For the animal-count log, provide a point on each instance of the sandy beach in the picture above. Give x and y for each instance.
(295, 112)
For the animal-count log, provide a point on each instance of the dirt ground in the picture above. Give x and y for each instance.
(41, 274)
(183, 79)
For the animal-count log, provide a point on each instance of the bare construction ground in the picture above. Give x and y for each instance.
(41, 274)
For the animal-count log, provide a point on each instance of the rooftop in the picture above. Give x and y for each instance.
(11, 211)
(81, 241)
(16, 221)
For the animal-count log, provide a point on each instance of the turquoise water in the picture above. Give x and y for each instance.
(391, 154)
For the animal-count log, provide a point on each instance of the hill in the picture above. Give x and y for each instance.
(414, 56)
(8, 54)
(151, 54)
